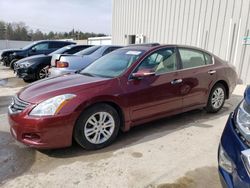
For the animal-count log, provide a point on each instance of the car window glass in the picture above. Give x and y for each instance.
(208, 58)
(57, 44)
(42, 46)
(114, 63)
(110, 49)
(191, 58)
(161, 61)
(88, 51)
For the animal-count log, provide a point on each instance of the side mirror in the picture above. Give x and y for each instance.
(143, 73)
(33, 49)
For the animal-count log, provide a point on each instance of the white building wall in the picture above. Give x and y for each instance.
(218, 26)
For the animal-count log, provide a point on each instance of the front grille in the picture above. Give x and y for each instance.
(17, 105)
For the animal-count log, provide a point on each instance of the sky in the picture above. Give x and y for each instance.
(59, 15)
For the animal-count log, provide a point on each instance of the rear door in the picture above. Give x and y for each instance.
(197, 76)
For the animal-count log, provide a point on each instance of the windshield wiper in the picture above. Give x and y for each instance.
(87, 74)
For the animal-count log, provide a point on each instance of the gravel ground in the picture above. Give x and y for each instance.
(175, 152)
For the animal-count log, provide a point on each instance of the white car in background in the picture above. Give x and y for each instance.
(72, 63)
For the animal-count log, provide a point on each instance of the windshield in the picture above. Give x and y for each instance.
(61, 50)
(29, 45)
(113, 64)
(88, 50)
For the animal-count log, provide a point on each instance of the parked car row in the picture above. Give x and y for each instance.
(69, 58)
(114, 88)
(10, 56)
(36, 67)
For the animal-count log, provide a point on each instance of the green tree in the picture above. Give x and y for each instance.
(2, 30)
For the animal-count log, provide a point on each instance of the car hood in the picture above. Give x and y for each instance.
(71, 83)
(247, 95)
(33, 59)
(9, 51)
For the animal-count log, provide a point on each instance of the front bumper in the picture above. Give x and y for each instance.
(233, 145)
(42, 132)
(25, 72)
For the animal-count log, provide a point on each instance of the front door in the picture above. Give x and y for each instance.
(157, 94)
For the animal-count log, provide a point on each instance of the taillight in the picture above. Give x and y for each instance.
(56, 62)
(61, 64)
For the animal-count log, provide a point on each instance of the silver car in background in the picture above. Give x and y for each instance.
(72, 63)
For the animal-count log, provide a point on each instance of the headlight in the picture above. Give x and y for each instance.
(24, 64)
(51, 106)
(243, 117)
(224, 161)
(246, 159)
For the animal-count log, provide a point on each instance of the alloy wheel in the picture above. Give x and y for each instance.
(99, 127)
(43, 73)
(218, 98)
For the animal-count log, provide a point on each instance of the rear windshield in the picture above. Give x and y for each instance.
(62, 50)
(88, 51)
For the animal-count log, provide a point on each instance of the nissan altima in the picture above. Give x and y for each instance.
(128, 87)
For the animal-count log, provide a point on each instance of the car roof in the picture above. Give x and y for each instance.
(70, 42)
(155, 47)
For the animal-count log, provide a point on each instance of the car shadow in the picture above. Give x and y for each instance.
(151, 131)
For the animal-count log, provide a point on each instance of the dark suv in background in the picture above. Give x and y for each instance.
(9, 57)
(36, 67)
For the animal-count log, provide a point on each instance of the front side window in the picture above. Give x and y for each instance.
(161, 61)
(41, 46)
(191, 58)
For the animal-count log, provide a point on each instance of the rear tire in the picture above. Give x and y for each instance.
(97, 127)
(216, 98)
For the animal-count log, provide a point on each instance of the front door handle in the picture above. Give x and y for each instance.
(211, 72)
(176, 81)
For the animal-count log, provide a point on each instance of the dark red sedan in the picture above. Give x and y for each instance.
(127, 87)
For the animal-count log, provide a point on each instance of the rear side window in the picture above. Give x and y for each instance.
(191, 58)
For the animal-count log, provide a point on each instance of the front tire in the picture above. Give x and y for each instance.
(216, 98)
(12, 63)
(97, 127)
(42, 73)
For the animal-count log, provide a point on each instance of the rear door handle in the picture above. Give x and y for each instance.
(211, 72)
(176, 81)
